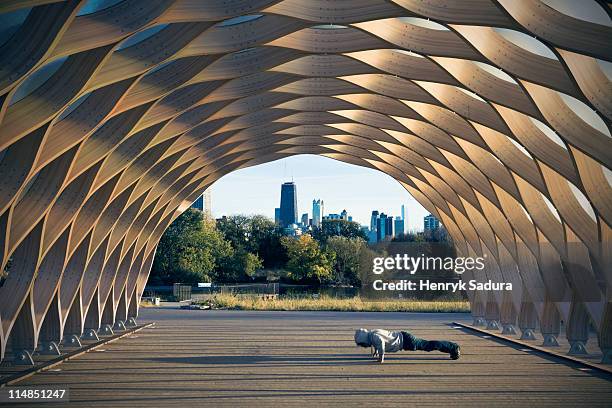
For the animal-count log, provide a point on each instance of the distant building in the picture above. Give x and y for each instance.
(403, 212)
(317, 212)
(399, 226)
(203, 203)
(373, 219)
(431, 223)
(198, 204)
(389, 227)
(292, 230)
(381, 225)
(208, 203)
(350, 218)
(305, 220)
(332, 217)
(288, 204)
(344, 215)
(322, 208)
(277, 216)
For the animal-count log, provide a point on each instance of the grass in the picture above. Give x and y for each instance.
(327, 303)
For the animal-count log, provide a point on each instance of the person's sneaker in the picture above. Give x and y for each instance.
(454, 355)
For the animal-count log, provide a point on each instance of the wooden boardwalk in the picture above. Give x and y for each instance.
(235, 358)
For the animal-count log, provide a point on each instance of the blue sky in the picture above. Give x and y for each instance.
(256, 190)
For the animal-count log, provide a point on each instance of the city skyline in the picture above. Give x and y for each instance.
(321, 178)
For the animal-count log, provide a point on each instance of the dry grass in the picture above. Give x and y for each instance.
(355, 304)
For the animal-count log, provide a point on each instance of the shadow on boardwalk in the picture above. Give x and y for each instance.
(328, 359)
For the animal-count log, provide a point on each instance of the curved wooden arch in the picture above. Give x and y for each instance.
(490, 137)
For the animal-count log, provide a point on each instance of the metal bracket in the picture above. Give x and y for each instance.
(478, 321)
(550, 340)
(131, 322)
(90, 334)
(72, 340)
(492, 325)
(577, 348)
(23, 357)
(508, 329)
(528, 334)
(106, 330)
(49, 348)
(119, 326)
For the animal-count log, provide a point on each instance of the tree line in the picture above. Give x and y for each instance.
(243, 248)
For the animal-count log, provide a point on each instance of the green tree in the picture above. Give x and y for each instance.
(343, 228)
(348, 253)
(236, 229)
(249, 263)
(366, 261)
(409, 237)
(240, 267)
(307, 263)
(271, 250)
(190, 251)
(257, 235)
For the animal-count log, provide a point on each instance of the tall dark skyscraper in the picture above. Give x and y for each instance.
(389, 226)
(381, 226)
(288, 204)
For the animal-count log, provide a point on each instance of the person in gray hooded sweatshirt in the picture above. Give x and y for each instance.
(384, 341)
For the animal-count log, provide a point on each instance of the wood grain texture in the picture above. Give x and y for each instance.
(304, 358)
(157, 100)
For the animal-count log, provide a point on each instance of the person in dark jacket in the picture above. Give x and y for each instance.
(385, 341)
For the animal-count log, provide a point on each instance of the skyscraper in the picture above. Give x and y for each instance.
(198, 204)
(389, 226)
(373, 220)
(430, 223)
(305, 220)
(208, 203)
(288, 204)
(277, 216)
(317, 212)
(322, 208)
(399, 227)
(372, 230)
(203, 203)
(381, 226)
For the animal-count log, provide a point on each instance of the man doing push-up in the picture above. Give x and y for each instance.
(384, 341)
